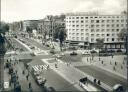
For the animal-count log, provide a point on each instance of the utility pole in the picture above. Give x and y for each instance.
(50, 18)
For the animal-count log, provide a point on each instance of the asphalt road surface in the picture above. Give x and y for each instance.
(68, 58)
(104, 76)
(53, 79)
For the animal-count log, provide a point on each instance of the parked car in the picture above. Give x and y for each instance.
(39, 80)
(52, 51)
(73, 53)
(93, 51)
(110, 51)
(119, 50)
(102, 51)
(105, 54)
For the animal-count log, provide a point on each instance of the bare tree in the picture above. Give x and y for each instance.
(99, 45)
(123, 34)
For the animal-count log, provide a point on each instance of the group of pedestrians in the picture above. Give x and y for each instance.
(11, 65)
(25, 73)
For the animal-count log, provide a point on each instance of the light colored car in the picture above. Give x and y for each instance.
(39, 81)
(36, 73)
(58, 56)
(38, 77)
(62, 54)
(86, 53)
(118, 88)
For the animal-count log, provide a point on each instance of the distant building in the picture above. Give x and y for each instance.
(83, 29)
(29, 23)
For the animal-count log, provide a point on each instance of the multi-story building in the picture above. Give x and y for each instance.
(84, 29)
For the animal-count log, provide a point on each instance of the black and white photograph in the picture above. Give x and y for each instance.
(63, 46)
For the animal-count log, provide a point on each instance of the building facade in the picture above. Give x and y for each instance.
(29, 23)
(87, 28)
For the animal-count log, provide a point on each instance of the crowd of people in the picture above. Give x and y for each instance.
(14, 80)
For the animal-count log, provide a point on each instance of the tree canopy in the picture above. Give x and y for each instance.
(4, 27)
(100, 43)
(123, 33)
(28, 29)
(59, 33)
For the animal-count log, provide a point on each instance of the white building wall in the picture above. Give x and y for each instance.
(89, 28)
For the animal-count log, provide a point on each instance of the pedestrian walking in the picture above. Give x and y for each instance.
(102, 62)
(27, 77)
(23, 72)
(16, 71)
(90, 58)
(55, 65)
(48, 67)
(29, 84)
(17, 77)
(94, 80)
(99, 82)
(10, 82)
(67, 64)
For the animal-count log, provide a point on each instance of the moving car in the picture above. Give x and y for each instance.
(118, 88)
(39, 79)
(73, 53)
(86, 53)
(93, 51)
(51, 89)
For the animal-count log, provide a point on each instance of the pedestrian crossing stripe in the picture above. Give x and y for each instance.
(34, 68)
(40, 68)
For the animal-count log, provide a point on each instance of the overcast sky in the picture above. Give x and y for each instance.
(15, 10)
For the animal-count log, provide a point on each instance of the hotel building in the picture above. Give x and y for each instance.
(83, 29)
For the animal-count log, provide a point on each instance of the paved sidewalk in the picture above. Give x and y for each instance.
(22, 78)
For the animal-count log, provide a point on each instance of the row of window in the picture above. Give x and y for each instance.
(103, 25)
(98, 35)
(93, 39)
(107, 30)
(95, 21)
(108, 39)
(87, 17)
(98, 30)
